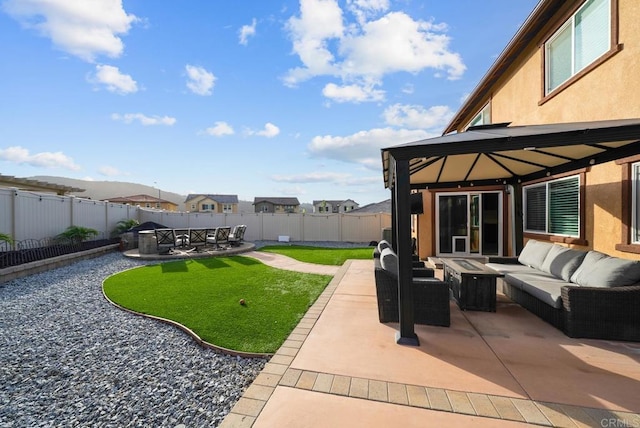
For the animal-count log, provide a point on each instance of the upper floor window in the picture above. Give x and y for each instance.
(635, 201)
(227, 208)
(579, 42)
(553, 207)
(482, 118)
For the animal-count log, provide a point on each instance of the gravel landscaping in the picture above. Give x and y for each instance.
(69, 358)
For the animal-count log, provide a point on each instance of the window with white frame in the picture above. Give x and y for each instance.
(553, 207)
(585, 37)
(482, 118)
(227, 208)
(635, 201)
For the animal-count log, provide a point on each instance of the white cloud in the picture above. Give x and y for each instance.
(84, 29)
(20, 155)
(114, 81)
(396, 43)
(408, 89)
(247, 31)
(352, 93)
(292, 191)
(378, 43)
(111, 171)
(313, 177)
(363, 9)
(200, 81)
(143, 119)
(270, 130)
(417, 117)
(220, 129)
(319, 22)
(363, 147)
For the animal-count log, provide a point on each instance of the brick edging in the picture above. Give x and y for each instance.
(26, 269)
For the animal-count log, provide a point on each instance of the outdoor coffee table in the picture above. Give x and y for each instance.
(472, 283)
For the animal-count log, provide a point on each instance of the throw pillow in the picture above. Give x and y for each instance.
(533, 253)
(562, 262)
(389, 261)
(602, 270)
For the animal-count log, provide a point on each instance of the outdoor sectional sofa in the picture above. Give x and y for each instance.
(430, 295)
(584, 294)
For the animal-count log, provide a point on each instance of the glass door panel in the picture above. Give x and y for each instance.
(453, 219)
(491, 224)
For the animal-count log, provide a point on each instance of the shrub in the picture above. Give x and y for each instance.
(78, 234)
(124, 225)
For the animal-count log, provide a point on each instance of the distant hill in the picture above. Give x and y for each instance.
(111, 189)
(101, 190)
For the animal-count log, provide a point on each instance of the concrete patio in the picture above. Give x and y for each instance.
(341, 367)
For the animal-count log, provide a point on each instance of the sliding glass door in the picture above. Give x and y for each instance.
(469, 224)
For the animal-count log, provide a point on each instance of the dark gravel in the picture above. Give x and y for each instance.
(69, 358)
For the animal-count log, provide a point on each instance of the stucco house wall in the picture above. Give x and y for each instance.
(608, 91)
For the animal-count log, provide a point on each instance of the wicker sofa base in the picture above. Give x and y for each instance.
(430, 299)
(552, 315)
(592, 313)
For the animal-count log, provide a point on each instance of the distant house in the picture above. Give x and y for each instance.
(227, 204)
(36, 185)
(327, 206)
(276, 205)
(145, 201)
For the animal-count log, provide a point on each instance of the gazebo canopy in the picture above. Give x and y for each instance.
(498, 153)
(489, 155)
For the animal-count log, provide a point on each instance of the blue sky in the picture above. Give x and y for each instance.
(254, 98)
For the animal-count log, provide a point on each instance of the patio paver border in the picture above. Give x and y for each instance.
(277, 372)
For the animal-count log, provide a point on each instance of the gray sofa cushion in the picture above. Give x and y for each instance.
(519, 279)
(509, 267)
(533, 253)
(600, 270)
(389, 261)
(542, 285)
(549, 292)
(562, 262)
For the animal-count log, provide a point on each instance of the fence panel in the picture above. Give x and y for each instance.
(39, 216)
(91, 214)
(364, 227)
(44, 215)
(6, 211)
(322, 227)
(275, 225)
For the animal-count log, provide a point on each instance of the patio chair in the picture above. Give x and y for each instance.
(165, 240)
(430, 295)
(220, 239)
(197, 238)
(182, 237)
(237, 235)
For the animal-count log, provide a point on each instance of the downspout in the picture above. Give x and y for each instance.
(512, 216)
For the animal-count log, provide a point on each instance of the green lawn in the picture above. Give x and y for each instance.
(204, 295)
(320, 255)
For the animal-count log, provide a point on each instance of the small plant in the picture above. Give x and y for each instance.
(124, 225)
(6, 238)
(78, 234)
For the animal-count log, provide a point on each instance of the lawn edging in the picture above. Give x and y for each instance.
(190, 332)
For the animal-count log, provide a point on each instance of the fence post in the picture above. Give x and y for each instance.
(14, 213)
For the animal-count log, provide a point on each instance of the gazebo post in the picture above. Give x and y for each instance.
(402, 190)
(518, 226)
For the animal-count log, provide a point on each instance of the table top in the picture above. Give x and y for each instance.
(469, 267)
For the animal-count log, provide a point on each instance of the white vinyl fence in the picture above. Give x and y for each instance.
(30, 215)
